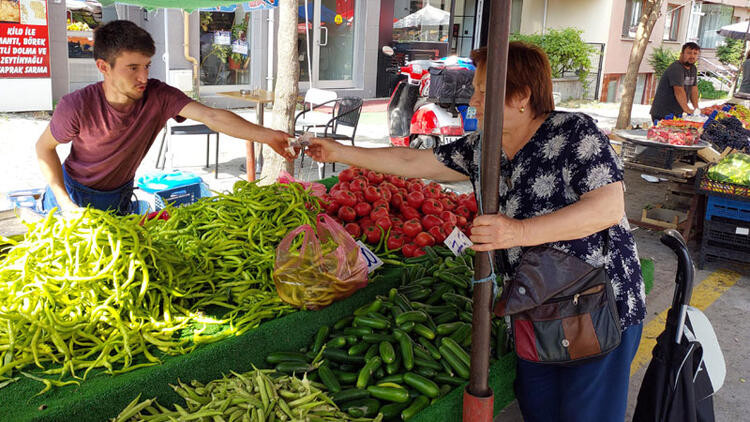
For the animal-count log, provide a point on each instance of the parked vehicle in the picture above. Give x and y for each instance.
(429, 107)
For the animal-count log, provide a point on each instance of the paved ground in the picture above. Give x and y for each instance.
(724, 289)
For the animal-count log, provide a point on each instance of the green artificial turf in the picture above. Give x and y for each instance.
(647, 270)
(450, 407)
(103, 396)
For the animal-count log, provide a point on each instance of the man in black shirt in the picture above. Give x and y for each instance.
(678, 83)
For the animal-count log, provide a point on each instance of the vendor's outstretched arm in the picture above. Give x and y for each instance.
(49, 163)
(399, 161)
(225, 121)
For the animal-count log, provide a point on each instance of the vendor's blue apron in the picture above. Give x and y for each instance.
(118, 199)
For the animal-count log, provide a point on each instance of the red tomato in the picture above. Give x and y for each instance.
(386, 194)
(415, 199)
(389, 186)
(362, 209)
(419, 252)
(373, 234)
(353, 229)
(344, 197)
(381, 203)
(467, 230)
(347, 213)
(416, 181)
(409, 212)
(438, 233)
(447, 227)
(378, 212)
(374, 177)
(397, 199)
(408, 249)
(470, 203)
(449, 217)
(396, 220)
(358, 184)
(412, 228)
(372, 194)
(332, 207)
(448, 204)
(398, 226)
(395, 241)
(399, 181)
(431, 191)
(384, 223)
(429, 221)
(346, 175)
(463, 211)
(453, 196)
(461, 221)
(360, 196)
(424, 239)
(365, 222)
(432, 206)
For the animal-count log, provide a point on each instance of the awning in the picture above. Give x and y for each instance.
(189, 5)
(737, 31)
(88, 6)
(426, 16)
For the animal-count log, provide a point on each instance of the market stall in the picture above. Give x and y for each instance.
(686, 152)
(130, 306)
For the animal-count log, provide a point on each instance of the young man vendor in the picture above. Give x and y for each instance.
(112, 124)
(678, 85)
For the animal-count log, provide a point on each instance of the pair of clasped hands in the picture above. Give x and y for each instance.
(488, 232)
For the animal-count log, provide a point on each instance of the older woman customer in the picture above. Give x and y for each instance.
(561, 185)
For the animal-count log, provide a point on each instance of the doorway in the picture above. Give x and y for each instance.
(329, 34)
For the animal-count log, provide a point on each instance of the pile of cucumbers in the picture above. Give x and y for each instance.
(399, 353)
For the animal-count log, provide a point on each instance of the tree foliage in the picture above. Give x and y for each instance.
(660, 59)
(730, 52)
(567, 52)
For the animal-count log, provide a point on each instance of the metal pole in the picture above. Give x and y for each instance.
(478, 395)
(450, 27)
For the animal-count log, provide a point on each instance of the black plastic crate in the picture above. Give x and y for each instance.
(725, 238)
(177, 196)
(661, 157)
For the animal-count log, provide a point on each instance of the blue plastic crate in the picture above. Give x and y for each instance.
(719, 206)
(179, 196)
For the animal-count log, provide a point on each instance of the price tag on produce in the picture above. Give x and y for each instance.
(457, 241)
(373, 262)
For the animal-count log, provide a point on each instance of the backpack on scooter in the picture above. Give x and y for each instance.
(451, 85)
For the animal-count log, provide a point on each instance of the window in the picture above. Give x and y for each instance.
(224, 39)
(714, 17)
(633, 10)
(672, 22)
(421, 20)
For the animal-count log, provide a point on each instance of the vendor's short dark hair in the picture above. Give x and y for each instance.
(528, 72)
(114, 37)
(690, 45)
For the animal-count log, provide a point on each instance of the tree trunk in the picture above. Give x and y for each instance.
(286, 89)
(651, 12)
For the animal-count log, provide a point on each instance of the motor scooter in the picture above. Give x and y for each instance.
(419, 118)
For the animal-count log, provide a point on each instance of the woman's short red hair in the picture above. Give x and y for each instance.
(528, 72)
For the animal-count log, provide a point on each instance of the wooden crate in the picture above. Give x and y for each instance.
(663, 217)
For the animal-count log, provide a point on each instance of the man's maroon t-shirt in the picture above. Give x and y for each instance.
(109, 145)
